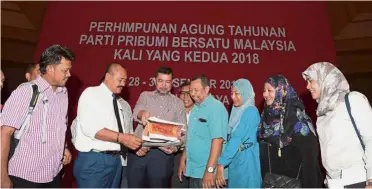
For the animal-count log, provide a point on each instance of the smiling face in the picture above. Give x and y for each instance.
(185, 96)
(236, 97)
(314, 89)
(198, 92)
(116, 78)
(269, 94)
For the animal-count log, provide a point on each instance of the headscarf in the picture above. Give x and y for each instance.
(333, 85)
(286, 116)
(245, 89)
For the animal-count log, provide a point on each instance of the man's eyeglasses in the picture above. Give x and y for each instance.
(184, 93)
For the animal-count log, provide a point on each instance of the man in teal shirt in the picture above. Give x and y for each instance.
(207, 131)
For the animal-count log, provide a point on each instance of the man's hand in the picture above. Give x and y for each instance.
(182, 168)
(220, 178)
(131, 141)
(144, 117)
(66, 156)
(6, 182)
(208, 180)
(180, 133)
(142, 151)
(169, 149)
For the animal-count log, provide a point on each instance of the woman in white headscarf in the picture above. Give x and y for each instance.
(241, 154)
(346, 162)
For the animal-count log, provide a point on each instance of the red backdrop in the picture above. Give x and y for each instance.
(298, 34)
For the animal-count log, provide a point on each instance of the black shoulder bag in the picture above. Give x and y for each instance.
(272, 180)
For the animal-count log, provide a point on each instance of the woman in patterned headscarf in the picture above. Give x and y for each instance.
(241, 154)
(346, 162)
(288, 135)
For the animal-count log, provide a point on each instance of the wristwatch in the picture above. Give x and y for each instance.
(211, 169)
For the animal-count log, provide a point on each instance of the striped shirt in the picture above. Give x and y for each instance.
(33, 160)
(167, 107)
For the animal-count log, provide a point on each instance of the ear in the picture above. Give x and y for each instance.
(107, 75)
(207, 89)
(49, 68)
(28, 76)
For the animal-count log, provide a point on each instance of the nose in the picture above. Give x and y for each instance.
(233, 97)
(191, 93)
(264, 94)
(308, 86)
(68, 73)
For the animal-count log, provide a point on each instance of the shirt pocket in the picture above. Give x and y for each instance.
(201, 130)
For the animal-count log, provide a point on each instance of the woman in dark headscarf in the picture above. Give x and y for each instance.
(288, 134)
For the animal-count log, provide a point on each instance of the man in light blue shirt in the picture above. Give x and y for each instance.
(207, 131)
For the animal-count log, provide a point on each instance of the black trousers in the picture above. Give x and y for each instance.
(22, 183)
(176, 183)
(154, 170)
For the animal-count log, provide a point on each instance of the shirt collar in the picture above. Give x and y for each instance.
(44, 85)
(205, 101)
(159, 94)
(105, 89)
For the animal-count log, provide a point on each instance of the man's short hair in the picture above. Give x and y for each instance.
(108, 69)
(31, 67)
(204, 80)
(164, 70)
(187, 83)
(53, 56)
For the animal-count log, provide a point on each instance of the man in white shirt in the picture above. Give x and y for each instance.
(104, 124)
(180, 181)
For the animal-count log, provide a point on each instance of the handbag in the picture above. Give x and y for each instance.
(272, 180)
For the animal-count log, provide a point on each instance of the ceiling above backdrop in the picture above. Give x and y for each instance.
(351, 25)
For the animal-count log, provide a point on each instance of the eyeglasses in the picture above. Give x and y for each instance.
(184, 93)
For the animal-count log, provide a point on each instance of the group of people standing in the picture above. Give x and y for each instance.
(216, 150)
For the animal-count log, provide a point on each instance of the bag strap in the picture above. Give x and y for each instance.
(25, 125)
(45, 113)
(268, 152)
(268, 155)
(348, 107)
(33, 102)
(35, 96)
(299, 170)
